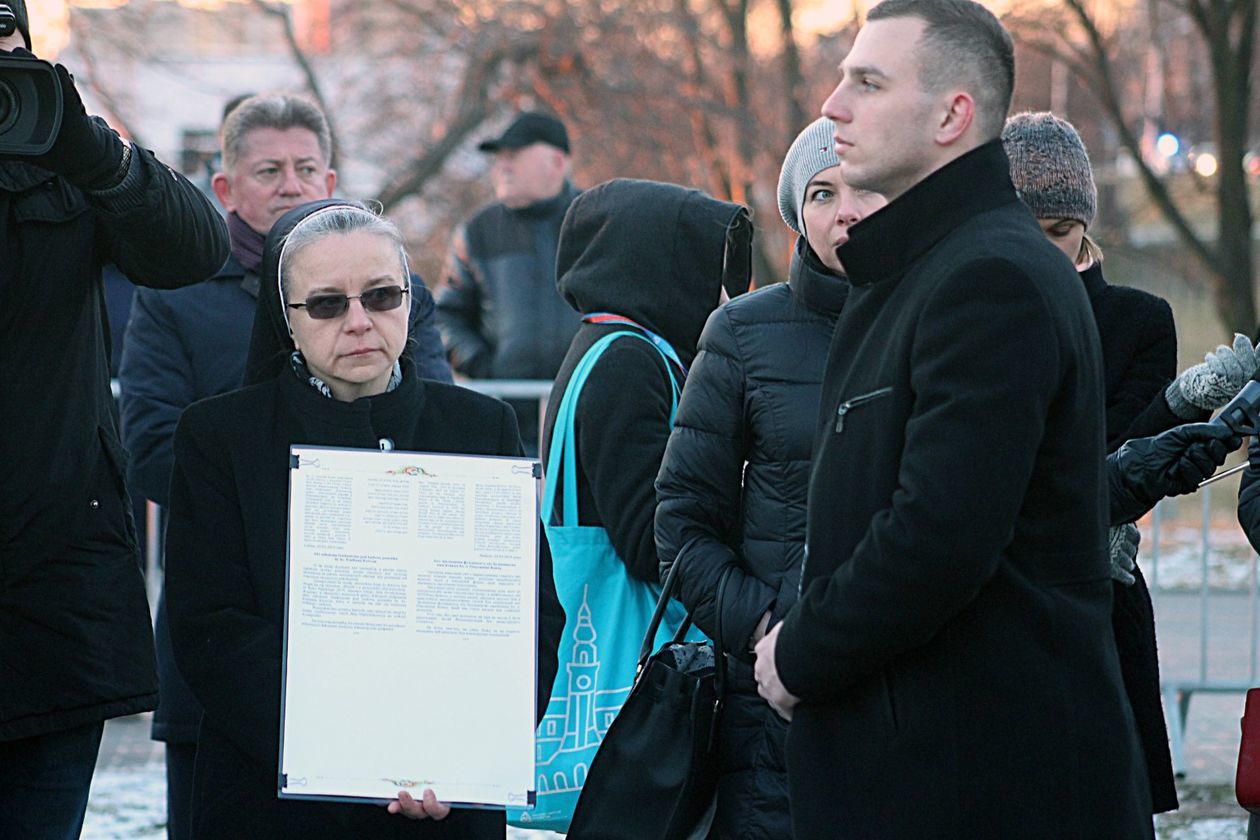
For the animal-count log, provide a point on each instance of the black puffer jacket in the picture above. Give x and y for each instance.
(653, 253)
(751, 398)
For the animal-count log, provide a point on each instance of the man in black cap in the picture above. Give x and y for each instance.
(76, 643)
(499, 312)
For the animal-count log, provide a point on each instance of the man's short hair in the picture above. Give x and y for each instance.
(962, 42)
(278, 111)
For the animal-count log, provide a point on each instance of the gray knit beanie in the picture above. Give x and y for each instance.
(1050, 167)
(812, 151)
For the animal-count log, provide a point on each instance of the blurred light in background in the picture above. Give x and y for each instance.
(1168, 145)
(1205, 164)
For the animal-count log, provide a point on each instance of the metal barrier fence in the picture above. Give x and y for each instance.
(1211, 599)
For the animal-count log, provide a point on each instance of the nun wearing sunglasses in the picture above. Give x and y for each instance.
(327, 366)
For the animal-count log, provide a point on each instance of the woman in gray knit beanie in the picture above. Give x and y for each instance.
(734, 481)
(1051, 172)
(814, 200)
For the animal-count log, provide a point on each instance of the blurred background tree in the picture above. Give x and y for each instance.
(707, 93)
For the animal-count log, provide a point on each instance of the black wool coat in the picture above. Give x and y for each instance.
(76, 642)
(225, 585)
(186, 345)
(1139, 349)
(952, 646)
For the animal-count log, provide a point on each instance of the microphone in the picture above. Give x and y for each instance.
(1242, 417)
(1242, 414)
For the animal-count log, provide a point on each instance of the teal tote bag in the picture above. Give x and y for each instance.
(606, 615)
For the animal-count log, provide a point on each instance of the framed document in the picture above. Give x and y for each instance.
(410, 633)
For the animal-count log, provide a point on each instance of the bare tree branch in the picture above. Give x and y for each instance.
(282, 13)
(473, 105)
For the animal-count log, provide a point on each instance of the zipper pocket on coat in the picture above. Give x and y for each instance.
(850, 404)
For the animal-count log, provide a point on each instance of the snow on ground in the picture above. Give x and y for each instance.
(129, 804)
(1179, 564)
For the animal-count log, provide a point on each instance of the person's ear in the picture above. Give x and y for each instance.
(330, 181)
(956, 118)
(222, 186)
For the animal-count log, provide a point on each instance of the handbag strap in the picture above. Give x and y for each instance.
(658, 614)
(562, 455)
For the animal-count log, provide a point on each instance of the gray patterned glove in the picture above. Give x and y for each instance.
(1215, 381)
(1123, 542)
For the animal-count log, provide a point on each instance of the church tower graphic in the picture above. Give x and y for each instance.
(580, 727)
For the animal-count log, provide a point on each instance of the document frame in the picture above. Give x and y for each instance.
(374, 539)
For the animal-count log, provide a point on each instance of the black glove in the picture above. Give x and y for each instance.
(87, 152)
(1145, 470)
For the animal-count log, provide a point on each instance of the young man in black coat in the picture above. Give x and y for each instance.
(76, 645)
(949, 667)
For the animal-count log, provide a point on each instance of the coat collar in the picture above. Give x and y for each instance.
(814, 284)
(1092, 277)
(888, 242)
(388, 414)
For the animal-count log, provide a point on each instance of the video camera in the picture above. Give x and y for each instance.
(30, 99)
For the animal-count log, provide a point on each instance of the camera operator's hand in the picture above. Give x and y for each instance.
(86, 152)
(1145, 470)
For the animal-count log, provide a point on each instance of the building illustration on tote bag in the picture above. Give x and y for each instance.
(577, 721)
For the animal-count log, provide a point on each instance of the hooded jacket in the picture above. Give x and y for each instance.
(226, 565)
(653, 253)
(76, 644)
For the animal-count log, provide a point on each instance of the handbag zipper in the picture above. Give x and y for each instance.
(849, 405)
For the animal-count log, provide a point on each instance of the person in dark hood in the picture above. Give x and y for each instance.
(652, 254)
(735, 476)
(317, 373)
(76, 644)
(644, 264)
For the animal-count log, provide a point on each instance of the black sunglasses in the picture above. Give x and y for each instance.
(380, 299)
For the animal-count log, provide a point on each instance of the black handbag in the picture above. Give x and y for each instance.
(655, 774)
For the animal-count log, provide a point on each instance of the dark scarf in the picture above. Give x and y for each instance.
(247, 243)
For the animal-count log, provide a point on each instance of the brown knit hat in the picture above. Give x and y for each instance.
(1050, 167)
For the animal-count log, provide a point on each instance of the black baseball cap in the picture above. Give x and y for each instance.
(528, 128)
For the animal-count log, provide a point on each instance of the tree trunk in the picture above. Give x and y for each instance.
(793, 80)
(1230, 39)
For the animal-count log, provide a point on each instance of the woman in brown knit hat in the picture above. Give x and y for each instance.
(1051, 172)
